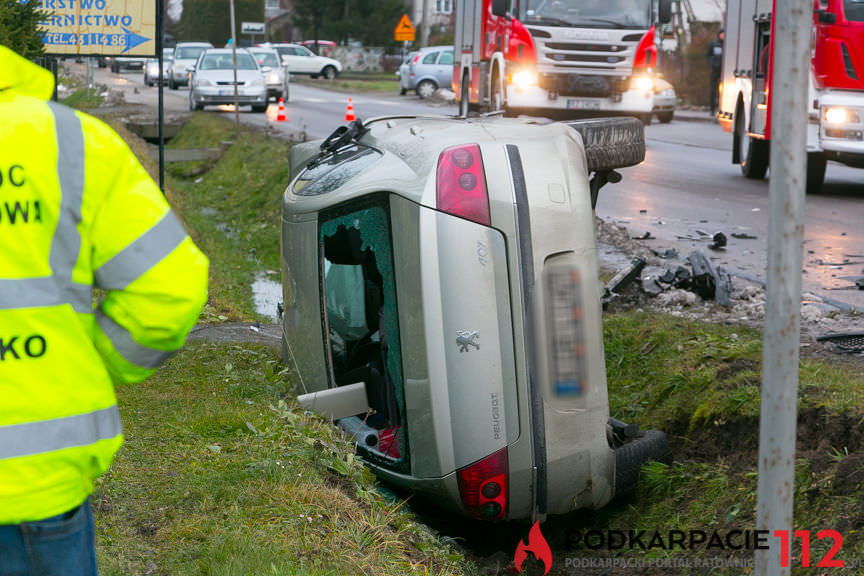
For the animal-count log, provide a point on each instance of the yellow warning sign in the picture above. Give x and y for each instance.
(404, 31)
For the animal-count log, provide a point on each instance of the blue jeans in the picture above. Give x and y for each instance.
(63, 545)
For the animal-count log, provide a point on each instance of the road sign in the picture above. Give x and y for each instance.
(252, 28)
(112, 27)
(404, 31)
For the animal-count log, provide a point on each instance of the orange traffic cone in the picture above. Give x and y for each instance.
(349, 112)
(280, 112)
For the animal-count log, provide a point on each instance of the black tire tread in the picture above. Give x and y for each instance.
(611, 143)
(629, 458)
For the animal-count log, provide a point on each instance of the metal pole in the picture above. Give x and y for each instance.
(234, 53)
(781, 338)
(161, 88)
(424, 25)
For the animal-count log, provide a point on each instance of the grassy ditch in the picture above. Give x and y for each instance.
(700, 383)
(220, 473)
(354, 83)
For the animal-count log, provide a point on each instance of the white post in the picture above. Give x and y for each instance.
(234, 54)
(781, 338)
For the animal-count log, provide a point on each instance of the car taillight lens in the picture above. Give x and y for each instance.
(483, 487)
(461, 184)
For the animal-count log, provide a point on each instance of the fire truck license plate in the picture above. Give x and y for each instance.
(583, 105)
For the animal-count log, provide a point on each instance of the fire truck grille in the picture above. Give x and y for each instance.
(570, 46)
(583, 85)
(605, 59)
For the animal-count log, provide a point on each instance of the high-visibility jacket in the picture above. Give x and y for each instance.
(77, 212)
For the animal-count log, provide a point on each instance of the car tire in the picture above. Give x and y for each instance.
(402, 91)
(650, 445)
(171, 84)
(114, 68)
(194, 106)
(259, 109)
(816, 164)
(329, 73)
(665, 117)
(425, 89)
(753, 155)
(611, 143)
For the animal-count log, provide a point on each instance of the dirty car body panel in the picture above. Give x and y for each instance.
(475, 328)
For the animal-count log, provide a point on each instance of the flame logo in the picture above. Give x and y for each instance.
(537, 545)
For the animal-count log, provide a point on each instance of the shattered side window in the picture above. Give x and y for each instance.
(361, 324)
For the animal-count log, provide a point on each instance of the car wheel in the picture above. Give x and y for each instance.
(611, 143)
(329, 72)
(171, 84)
(753, 154)
(425, 89)
(665, 117)
(194, 106)
(629, 458)
(402, 91)
(259, 109)
(816, 164)
(114, 68)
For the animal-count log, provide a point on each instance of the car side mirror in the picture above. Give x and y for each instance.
(827, 17)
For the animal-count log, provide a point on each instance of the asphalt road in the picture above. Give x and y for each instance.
(685, 191)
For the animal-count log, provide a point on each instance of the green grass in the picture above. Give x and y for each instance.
(355, 83)
(83, 99)
(233, 208)
(221, 475)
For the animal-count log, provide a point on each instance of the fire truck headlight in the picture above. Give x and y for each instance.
(643, 83)
(840, 115)
(524, 79)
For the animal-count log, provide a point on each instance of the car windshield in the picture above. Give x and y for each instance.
(225, 61)
(189, 52)
(266, 59)
(854, 10)
(634, 14)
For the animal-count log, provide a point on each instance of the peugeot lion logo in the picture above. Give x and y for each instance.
(464, 339)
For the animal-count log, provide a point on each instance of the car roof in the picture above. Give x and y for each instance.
(205, 44)
(435, 48)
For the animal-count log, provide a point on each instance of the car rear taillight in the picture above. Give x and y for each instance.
(483, 487)
(461, 185)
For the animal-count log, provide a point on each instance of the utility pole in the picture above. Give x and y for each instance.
(234, 54)
(781, 337)
(424, 25)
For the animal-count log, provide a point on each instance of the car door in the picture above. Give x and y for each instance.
(444, 69)
(290, 59)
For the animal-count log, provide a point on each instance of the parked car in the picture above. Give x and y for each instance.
(185, 55)
(151, 67)
(664, 100)
(212, 80)
(431, 68)
(442, 301)
(403, 73)
(119, 63)
(275, 71)
(301, 60)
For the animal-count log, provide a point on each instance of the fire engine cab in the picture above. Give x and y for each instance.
(836, 94)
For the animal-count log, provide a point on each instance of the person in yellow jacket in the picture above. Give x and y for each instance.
(77, 213)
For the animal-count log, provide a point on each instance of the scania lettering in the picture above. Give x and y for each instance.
(591, 57)
(835, 129)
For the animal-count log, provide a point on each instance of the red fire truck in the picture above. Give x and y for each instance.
(836, 103)
(491, 48)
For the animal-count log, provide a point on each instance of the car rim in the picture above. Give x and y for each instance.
(426, 90)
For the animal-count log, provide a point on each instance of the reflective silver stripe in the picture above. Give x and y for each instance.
(66, 244)
(50, 435)
(130, 350)
(41, 292)
(70, 169)
(145, 252)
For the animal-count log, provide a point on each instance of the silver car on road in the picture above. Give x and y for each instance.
(212, 80)
(441, 287)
